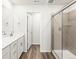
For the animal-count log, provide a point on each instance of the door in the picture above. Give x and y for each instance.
(29, 30)
(52, 33)
(58, 35)
(14, 52)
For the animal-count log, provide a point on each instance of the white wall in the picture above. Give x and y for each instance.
(7, 20)
(7, 4)
(36, 28)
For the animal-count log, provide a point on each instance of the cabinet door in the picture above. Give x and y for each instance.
(20, 46)
(6, 53)
(14, 50)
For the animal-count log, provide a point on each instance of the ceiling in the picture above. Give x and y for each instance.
(39, 2)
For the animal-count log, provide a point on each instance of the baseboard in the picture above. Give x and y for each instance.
(45, 50)
(25, 50)
(53, 52)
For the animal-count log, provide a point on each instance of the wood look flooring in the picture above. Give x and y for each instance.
(34, 53)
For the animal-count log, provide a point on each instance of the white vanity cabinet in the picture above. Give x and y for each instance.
(20, 46)
(6, 53)
(13, 47)
(14, 50)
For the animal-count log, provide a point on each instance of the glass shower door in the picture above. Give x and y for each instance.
(58, 35)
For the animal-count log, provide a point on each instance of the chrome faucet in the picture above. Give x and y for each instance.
(11, 34)
(4, 33)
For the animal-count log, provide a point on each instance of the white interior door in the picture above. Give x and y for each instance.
(29, 30)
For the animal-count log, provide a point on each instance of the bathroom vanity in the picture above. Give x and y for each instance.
(12, 47)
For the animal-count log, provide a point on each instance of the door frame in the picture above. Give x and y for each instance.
(27, 30)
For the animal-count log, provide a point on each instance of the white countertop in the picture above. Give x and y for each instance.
(8, 40)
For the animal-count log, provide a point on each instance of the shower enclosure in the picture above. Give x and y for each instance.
(63, 26)
(69, 32)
